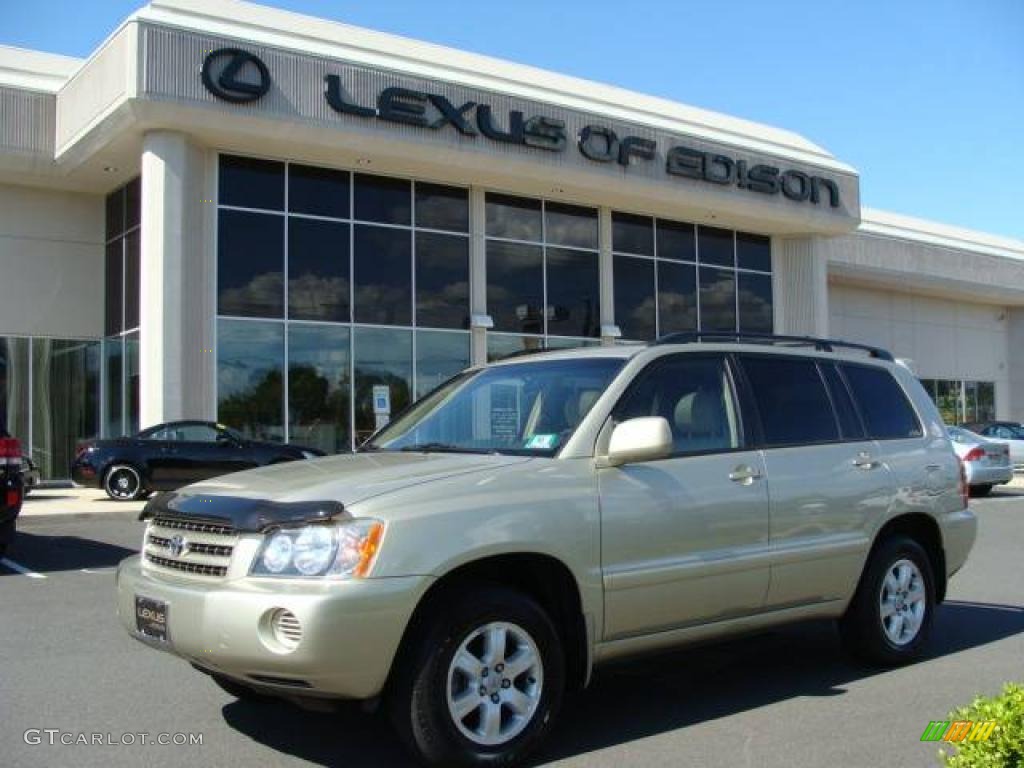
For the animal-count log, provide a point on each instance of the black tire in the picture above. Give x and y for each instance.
(123, 482)
(981, 490)
(238, 690)
(864, 631)
(418, 697)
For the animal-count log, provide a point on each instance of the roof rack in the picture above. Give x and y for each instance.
(821, 345)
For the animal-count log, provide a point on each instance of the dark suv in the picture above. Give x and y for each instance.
(11, 488)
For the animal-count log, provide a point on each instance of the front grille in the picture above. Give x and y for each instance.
(219, 550)
(188, 525)
(198, 549)
(180, 565)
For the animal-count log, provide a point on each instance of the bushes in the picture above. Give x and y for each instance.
(1005, 747)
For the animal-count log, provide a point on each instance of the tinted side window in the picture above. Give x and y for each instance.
(197, 433)
(694, 395)
(791, 400)
(846, 412)
(882, 402)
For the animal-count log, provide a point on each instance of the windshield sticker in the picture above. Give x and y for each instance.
(504, 412)
(542, 442)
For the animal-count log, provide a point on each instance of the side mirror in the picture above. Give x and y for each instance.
(642, 439)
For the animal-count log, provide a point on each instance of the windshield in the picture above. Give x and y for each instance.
(529, 408)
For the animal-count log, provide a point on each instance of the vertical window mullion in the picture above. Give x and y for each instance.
(697, 267)
(352, 310)
(412, 281)
(735, 285)
(544, 270)
(286, 373)
(657, 279)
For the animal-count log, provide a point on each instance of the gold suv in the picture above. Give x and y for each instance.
(533, 518)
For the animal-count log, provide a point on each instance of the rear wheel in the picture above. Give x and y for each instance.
(484, 685)
(890, 618)
(122, 483)
(981, 490)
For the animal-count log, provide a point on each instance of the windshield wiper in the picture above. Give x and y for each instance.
(441, 448)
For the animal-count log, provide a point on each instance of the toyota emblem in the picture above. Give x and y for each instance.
(178, 545)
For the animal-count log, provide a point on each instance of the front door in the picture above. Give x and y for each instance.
(684, 540)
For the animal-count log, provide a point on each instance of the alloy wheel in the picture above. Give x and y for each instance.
(902, 602)
(495, 681)
(122, 483)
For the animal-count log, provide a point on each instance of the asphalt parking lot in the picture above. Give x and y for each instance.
(786, 698)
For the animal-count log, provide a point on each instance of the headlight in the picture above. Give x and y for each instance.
(342, 551)
(310, 455)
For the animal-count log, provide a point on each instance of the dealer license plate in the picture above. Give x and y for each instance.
(151, 617)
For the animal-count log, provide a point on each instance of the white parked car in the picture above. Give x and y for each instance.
(986, 462)
(1009, 432)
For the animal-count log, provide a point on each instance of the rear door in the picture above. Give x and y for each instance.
(684, 540)
(827, 484)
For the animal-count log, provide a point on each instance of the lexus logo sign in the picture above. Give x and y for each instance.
(235, 75)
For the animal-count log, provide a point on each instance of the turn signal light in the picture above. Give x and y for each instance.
(368, 550)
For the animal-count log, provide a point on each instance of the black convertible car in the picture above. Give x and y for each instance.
(168, 456)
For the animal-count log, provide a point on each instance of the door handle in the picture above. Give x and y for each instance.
(864, 461)
(744, 475)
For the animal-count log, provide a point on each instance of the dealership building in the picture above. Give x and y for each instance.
(294, 226)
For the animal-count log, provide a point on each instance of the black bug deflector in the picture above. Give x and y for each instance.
(243, 514)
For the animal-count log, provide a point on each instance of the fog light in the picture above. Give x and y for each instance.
(286, 628)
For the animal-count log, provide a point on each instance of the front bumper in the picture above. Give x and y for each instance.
(351, 630)
(980, 475)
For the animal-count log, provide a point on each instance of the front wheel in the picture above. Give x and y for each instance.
(122, 483)
(485, 684)
(890, 618)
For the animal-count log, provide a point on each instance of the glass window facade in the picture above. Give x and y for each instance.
(331, 283)
(671, 276)
(962, 402)
(335, 282)
(543, 278)
(50, 397)
(118, 411)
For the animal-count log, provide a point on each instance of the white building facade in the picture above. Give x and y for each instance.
(232, 212)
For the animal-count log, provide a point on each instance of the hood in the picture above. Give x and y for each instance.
(348, 478)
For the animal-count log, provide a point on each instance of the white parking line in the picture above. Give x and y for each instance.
(20, 569)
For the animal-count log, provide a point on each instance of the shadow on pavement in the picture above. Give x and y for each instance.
(1002, 492)
(48, 554)
(632, 700)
